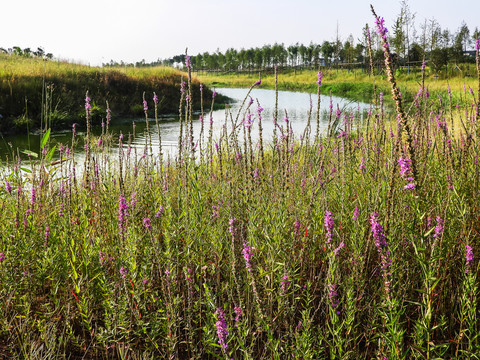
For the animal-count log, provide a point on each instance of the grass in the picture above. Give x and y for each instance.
(356, 84)
(38, 94)
(293, 247)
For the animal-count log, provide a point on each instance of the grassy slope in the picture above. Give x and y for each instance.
(22, 80)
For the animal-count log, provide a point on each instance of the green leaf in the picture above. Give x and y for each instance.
(50, 154)
(31, 153)
(45, 138)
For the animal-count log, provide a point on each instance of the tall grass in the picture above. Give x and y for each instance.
(315, 248)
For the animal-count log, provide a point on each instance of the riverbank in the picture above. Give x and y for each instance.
(355, 85)
(34, 92)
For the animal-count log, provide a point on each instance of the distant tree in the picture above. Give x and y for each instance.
(327, 51)
(231, 61)
(415, 52)
(221, 60)
(475, 35)
(316, 55)
(267, 55)
(462, 38)
(17, 51)
(293, 54)
(258, 58)
(408, 24)
(302, 51)
(198, 62)
(359, 53)
(438, 58)
(398, 40)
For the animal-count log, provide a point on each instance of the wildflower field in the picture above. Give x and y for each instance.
(357, 243)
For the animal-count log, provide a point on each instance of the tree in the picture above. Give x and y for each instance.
(293, 54)
(327, 51)
(408, 24)
(438, 58)
(267, 55)
(399, 38)
(258, 58)
(462, 38)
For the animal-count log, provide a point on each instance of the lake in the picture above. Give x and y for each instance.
(295, 104)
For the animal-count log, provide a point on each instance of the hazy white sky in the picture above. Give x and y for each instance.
(96, 31)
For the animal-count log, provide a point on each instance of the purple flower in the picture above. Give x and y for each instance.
(340, 247)
(258, 82)
(109, 116)
(409, 186)
(87, 104)
(259, 112)
(247, 254)
(405, 166)
(2, 257)
(319, 78)
(477, 44)
(328, 223)
(33, 196)
(188, 62)
(332, 295)
(159, 212)
(146, 223)
(285, 283)
(356, 213)
(214, 94)
(133, 197)
(377, 231)
(231, 229)
(123, 272)
(145, 281)
(155, 98)
(47, 233)
(238, 313)
(439, 227)
(8, 187)
(101, 257)
(468, 254)
(122, 213)
(222, 331)
(145, 105)
(248, 121)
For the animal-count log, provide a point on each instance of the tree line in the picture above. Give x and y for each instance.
(27, 52)
(411, 44)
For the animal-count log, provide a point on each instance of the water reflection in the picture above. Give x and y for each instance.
(296, 104)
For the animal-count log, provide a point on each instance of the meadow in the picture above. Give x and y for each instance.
(357, 83)
(357, 243)
(38, 94)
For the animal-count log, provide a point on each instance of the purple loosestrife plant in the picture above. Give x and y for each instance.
(222, 331)
(285, 283)
(122, 213)
(468, 257)
(328, 223)
(439, 227)
(247, 255)
(382, 248)
(146, 224)
(333, 295)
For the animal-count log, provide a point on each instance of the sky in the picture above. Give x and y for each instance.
(97, 31)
